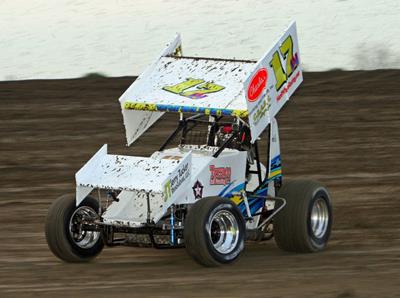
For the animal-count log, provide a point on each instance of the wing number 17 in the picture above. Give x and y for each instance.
(292, 61)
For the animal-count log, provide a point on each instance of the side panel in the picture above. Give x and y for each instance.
(131, 209)
(137, 122)
(274, 79)
(82, 190)
(222, 176)
(176, 187)
(286, 70)
(135, 207)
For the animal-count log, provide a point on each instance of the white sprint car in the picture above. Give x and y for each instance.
(205, 189)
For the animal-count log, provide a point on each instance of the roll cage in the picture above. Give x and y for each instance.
(239, 139)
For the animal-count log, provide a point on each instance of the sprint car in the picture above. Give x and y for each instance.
(205, 189)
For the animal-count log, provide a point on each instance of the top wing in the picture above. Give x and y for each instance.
(194, 85)
(241, 88)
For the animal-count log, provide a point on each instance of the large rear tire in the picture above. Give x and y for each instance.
(64, 235)
(304, 224)
(214, 231)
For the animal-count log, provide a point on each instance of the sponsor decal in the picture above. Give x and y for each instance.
(167, 190)
(237, 199)
(198, 190)
(260, 110)
(288, 86)
(175, 181)
(194, 88)
(284, 71)
(257, 85)
(178, 51)
(183, 109)
(220, 176)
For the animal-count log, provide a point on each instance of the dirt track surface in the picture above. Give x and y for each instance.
(342, 128)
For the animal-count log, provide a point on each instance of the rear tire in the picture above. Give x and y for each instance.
(214, 231)
(63, 238)
(304, 224)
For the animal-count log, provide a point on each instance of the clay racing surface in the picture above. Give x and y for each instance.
(341, 128)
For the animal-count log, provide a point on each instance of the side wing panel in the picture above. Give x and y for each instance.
(137, 122)
(274, 79)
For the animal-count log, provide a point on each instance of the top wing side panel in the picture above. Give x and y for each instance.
(273, 80)
(137, 122)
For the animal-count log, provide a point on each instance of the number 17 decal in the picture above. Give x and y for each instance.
(292, 61)
(199, 92)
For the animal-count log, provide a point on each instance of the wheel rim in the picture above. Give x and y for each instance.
(319, 218)
(83, 238)
(224, 231)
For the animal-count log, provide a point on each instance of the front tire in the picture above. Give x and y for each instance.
(214, 231)
(304, 224)
(65, 236)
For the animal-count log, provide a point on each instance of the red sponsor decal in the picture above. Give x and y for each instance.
(257, 85)
(220, 176)
(288, 86)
